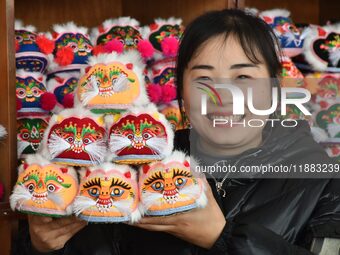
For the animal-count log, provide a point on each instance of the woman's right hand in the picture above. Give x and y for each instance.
(49, 234)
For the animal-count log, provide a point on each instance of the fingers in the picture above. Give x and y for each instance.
(38, 220)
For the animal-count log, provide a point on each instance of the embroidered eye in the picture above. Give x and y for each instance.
(146, 136)
(158, 186)
(94, 192)
(73, 46)
(31, 187)
(41, 134)
(130, 136)
(136, 41)
(36, 92)
(51, 188)
(25, 136)
(116, 192)
(122, 41)
(87, 47)
(87, 141)
(31, 37)
(21, 93)
(180, 182)
(69, 139)
(18, 38)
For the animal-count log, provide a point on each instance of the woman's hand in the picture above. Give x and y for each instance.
(48, 234)
(200, 226)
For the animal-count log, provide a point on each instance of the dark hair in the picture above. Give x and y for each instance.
(255, 36)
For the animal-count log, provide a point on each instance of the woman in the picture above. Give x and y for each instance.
(244, 215)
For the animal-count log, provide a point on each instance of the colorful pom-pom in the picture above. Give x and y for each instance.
(145, 48)
(68, 101)
(170, 46)
(168, 93)
(64, 56)
(114, 45)
(45, 45)
(155, 92)
(48, 101)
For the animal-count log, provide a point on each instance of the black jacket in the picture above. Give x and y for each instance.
(264, 216)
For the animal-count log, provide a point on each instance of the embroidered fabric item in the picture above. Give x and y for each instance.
(33, 99)
(290, 38)
(171, 186)
(322, 48)
(140, 135)
(112, 83)
(31, 51)
(30, 132)
(44, 188)
(75, 137)
(72, 49)
(108, 193)
(173, 114)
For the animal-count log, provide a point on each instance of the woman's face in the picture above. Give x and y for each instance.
(224, 61)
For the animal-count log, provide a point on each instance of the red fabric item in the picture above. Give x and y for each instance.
(45, 45)
(68, 101)
(64, 56)
(48, 101)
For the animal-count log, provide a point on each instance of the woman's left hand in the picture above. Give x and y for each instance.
(200, 226)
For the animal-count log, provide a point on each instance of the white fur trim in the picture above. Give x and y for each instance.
(36, 75)
(275, 13)
(78, 112)
(19, 25)
(3, 132)
(311, 36)
(70, 27)
(109, 23)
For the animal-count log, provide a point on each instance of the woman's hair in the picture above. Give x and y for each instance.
(256, 38)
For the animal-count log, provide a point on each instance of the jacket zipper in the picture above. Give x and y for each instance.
(219, 184)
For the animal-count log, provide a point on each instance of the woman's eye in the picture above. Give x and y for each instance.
(204, 78)
(243, 77)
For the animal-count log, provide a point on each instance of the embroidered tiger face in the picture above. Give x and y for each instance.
(169, 188)
(80, 141)
(80, 45)
(30, 133)
(127, 35)
(110, 86)
(107, 195)
(47, 189)
(139, 137)
(29, 91)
